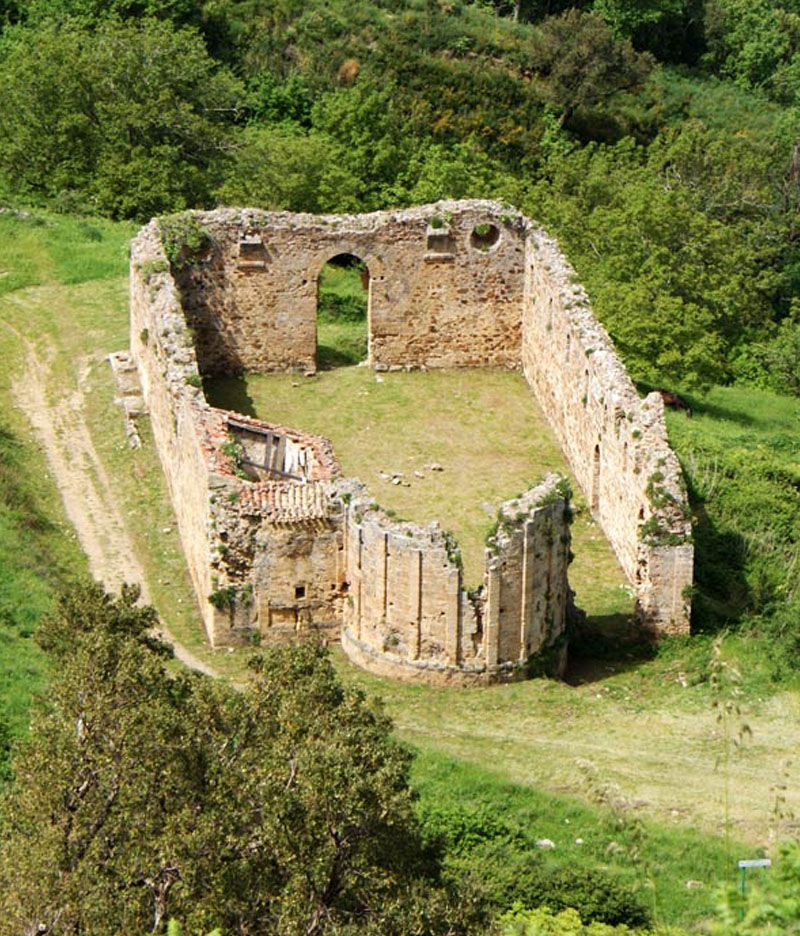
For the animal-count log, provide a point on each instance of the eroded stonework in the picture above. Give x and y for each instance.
(278, 544)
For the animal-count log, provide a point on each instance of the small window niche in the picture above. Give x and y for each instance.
(484, 237)
(299, 592)
(439, 241)
(253, 253)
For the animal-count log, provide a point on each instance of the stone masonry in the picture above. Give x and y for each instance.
(278, 544)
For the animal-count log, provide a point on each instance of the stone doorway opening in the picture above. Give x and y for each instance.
(343, 291)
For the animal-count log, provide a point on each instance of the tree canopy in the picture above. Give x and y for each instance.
(127, 119)
(144, 795)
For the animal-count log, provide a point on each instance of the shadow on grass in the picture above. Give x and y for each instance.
(603, 646)
(18, 488)
(230, 393)
(329, 358)
(721, 590)
(703, 407)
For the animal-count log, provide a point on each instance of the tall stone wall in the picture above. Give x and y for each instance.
(616, 442)
(264, 556)
(445, 286)
(164, 352)
(407, 614)
(527, 593)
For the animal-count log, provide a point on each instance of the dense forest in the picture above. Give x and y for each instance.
(660, 141)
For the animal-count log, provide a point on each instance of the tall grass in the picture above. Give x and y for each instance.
(36, 557)
(40, 248)
(498, 833)
(739, 454)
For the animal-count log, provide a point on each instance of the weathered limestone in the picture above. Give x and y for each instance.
(616, 442)
(407, 613)
(279, 546)
(438, 295)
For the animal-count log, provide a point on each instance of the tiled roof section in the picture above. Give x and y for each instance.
(215, 424)
(285, 501)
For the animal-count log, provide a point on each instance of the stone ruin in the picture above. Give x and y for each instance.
(279, 545)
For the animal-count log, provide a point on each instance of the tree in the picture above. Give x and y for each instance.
(676, 288)
(92, 12)
(276, 167)
(131, 119)
(460, 171)
(745, 40)
(626, 17)
(578, 64)
(142, 795)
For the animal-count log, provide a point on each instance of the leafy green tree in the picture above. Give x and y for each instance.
(531, 11)
(745, 39)
(289, 102)
(131, 119)
(142, 795)
(627, 17)
(92, 12)
(10, 12)
(375, 149)
(461, 171)
(278, 168)
(782, 356)
(579, 65)
(676, 289)
(544, 922)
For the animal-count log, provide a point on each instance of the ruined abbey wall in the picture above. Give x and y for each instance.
(407, 613)
(249, 544)
(616, 442)
(445, 286)
(278, 545)
(162, 347)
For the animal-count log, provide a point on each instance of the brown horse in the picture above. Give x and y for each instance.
(675, 401)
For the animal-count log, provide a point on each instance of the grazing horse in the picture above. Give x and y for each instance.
(675, 401)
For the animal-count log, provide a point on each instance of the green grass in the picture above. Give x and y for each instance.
(341, 317)
(594, 839)
(42, 248)
(740, 457)
(37, 555)
(648, 726)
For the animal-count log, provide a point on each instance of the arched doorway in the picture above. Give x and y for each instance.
(342, 312)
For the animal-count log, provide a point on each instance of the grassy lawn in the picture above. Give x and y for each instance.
(649, 727)
(483, 427)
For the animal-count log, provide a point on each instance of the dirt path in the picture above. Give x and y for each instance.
(86, 489)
